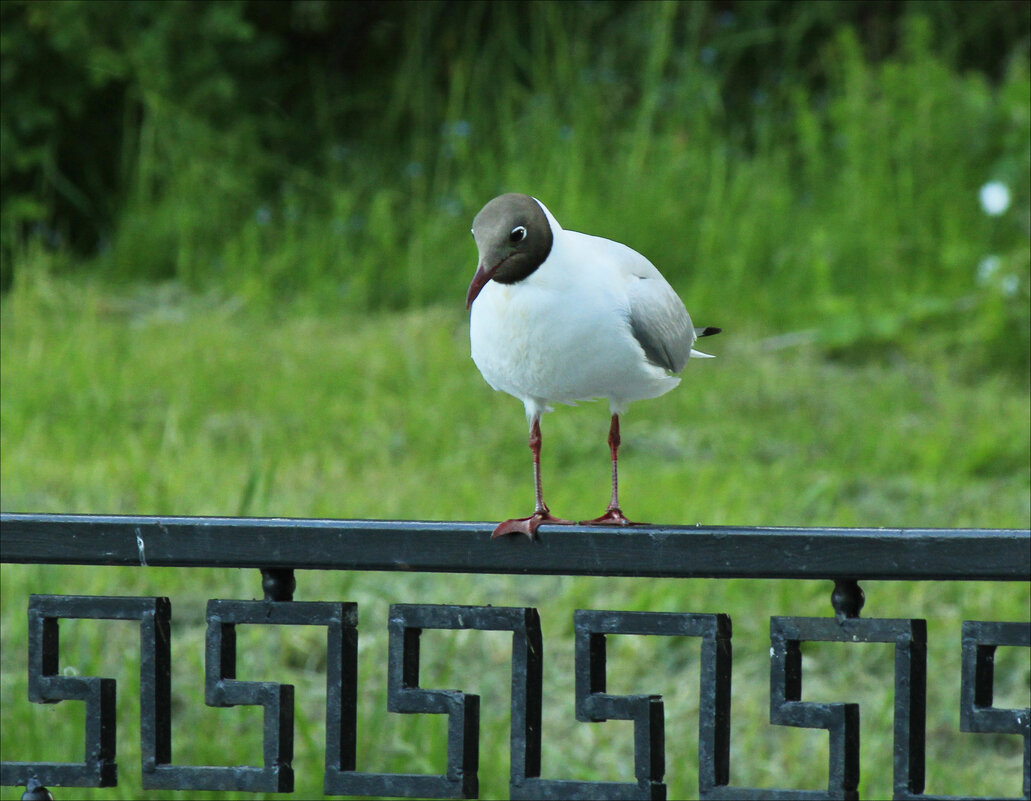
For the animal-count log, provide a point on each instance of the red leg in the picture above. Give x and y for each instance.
(613, 514)
(541, 513)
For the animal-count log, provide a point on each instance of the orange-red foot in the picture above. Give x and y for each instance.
(528, 525)
(612, 517)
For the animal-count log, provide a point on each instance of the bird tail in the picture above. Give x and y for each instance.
(707, 331)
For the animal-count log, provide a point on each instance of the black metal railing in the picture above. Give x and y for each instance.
(278, 547)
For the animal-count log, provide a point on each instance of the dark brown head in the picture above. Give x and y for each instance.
(513, 237)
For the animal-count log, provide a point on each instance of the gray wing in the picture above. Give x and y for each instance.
(660, 322)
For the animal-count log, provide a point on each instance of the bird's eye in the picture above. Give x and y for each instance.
(518, 234)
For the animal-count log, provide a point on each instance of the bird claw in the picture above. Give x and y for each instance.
(613, 517)
(528, 525)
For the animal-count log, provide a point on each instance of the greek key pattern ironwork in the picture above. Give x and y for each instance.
(405, 695)
(279, 547)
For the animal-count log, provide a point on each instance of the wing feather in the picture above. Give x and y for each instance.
(660, 322)
(657, 317)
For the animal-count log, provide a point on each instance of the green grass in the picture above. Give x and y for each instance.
(161, 401)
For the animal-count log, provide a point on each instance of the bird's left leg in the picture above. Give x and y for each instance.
(541, 512)
(613, 515)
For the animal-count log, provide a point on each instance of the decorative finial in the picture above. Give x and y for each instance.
(278, 583)
(847, 598)
(34, 791)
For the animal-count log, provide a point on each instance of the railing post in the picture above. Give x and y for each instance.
(278, 583)
(34, 791)
(847, 598)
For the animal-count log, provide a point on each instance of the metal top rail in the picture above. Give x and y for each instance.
(449, 547)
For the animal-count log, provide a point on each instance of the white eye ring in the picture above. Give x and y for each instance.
(518, 234)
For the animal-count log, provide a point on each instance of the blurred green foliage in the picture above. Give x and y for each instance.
(818, 163)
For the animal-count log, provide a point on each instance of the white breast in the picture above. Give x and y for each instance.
(563, 334)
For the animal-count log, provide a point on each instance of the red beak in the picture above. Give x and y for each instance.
(481, 277)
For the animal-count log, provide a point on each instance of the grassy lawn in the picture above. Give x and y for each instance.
(159, 401)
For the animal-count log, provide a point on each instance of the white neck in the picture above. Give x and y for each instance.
(555, 227)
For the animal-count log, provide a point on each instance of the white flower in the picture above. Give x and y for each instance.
(995, 198)
(987, 267)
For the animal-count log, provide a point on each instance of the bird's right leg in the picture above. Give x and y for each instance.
(541, 513)
(613, 515)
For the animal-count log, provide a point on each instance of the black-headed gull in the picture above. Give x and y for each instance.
(559, 317)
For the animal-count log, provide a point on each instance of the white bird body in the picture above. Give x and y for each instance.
(559, 316)
(564, 333)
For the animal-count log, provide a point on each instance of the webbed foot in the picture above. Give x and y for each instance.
(613, 517)
(528, 525)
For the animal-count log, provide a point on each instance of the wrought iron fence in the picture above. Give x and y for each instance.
(279, 547)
